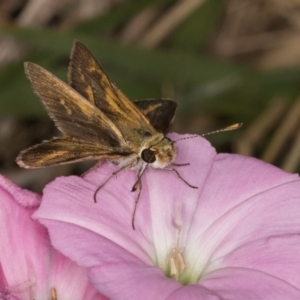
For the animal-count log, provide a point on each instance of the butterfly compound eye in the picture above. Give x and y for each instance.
(148, 156)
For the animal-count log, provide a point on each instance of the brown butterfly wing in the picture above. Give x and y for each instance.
(72, 114)
(62, 151)
(88, 78)
(159, 112)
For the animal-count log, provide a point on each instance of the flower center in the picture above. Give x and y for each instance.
(176, 263)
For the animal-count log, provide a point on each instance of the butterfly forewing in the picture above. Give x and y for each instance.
(86, 74)
(88, 78)
(72, 114)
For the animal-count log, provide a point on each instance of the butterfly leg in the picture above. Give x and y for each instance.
(180, 177)
(140, 174)
(137, 185)
(104, 183)
(136, 203)
(180, 165)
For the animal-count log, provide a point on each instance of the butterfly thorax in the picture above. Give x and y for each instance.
(157, 151)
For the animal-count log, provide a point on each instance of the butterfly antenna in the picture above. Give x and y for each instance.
(229, 128)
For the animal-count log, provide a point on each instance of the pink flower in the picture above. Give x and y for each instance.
(29, 266)
(235, 237)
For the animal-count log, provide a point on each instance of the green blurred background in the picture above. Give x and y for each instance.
(223, 61)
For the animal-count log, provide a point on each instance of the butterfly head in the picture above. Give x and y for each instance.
(159, 154)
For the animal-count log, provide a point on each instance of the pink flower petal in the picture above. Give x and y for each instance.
(231, 219)
(19, 232)
(229, 283)
(92, 248)
(277, 255)
(29, 266)
(242, 283)
(23, 197)
(131, 281)
(194, 292)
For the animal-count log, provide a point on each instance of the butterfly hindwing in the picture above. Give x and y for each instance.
(62, 151)
(160, 112)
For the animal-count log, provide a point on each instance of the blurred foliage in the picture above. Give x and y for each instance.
(212, 91)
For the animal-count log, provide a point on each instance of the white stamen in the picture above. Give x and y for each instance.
(176, 257)
(53, 294)
(177, 263)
